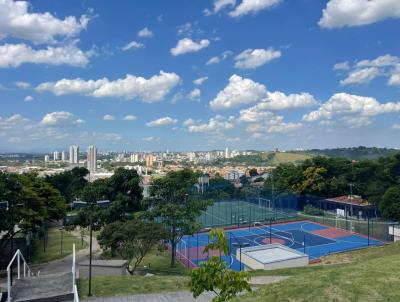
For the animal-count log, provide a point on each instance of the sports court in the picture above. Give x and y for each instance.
(313, 239)
(242, 212)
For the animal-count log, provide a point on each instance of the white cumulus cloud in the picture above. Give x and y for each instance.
(130, 118)
(252, 7)
(163, 121)
(132, 45)
(239, 91)
(145, 33)
(253, 58)
(200, 81)
(131, 87)
(59, 118)
(17, 20)
(341, 104)
(108, 117)
(342, 13)
(215, 124)
(14, 55)
(187, 45)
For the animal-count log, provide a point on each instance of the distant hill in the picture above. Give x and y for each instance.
(354, 153)
(265, 159)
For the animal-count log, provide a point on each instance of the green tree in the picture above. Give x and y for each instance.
(253, 172)
(132, 239)
(69, 183)
(214, 276)
(390, 204)
(32, 201)
(174, 202)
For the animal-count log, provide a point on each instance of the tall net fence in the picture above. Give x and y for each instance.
(263, 207)
(249, 210)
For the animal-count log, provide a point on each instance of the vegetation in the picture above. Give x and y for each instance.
(367, 275)
(132, 239)
(50, 249)
(32, 202)
(354, 153)
(69, 183)
(111, 286)
(214, 276)
(264, 159)
(313, 211)
(330, 177)
(176, 205)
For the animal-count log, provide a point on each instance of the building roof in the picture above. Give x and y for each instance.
(351, 200)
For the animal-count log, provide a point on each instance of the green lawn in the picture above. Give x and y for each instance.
(106, 286)
(366, 275)
(164, 279)
(157, 263)
(53, 249)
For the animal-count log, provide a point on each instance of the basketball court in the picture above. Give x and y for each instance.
(313, 239)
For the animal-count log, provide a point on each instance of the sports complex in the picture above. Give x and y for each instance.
(257, 223)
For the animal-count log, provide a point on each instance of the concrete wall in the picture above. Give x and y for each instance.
(101, 271)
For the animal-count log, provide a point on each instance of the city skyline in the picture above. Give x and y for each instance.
(303, 75)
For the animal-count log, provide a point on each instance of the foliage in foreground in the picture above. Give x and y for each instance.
(214, 276)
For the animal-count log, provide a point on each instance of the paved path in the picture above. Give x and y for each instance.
(65, 264)
(183, 296)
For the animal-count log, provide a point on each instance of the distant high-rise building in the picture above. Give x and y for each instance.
(56, 155)
(46, 158)
(134, 158)
(227, 153)
(63, 156)
(74, 154)
(92, 158)
(149, 160)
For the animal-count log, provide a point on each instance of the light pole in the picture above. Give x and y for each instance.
(78, 204)
(61, 228)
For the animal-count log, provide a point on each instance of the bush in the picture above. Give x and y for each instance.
(311, 210)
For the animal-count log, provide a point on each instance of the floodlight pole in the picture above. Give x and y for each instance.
(90, 256)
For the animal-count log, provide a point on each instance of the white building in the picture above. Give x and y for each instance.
(92, 159)
(56, 155)
(74, 155)
(227, 153)
(64, 156)
(134, 158)
(46, 158)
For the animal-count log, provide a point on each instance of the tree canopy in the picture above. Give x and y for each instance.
(177, 205)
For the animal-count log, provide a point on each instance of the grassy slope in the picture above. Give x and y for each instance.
(53, 250)
(107, 286)
(166, 279)
(288, 157)
(366, 275)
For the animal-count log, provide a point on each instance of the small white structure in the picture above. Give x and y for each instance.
(271, 256)
(395, 231)
(103, 268)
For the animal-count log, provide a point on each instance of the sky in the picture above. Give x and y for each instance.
(199, 75)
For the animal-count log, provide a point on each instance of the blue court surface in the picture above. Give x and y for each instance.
(315, 240)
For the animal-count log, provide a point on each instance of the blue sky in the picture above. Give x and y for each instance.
(270, 73)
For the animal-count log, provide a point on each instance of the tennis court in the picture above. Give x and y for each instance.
(242, 212)
(314, 239)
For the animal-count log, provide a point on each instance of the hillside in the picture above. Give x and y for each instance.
(365, 275)
(354, 153)
(265, 159)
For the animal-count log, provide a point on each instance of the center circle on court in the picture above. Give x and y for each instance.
(273, 240)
